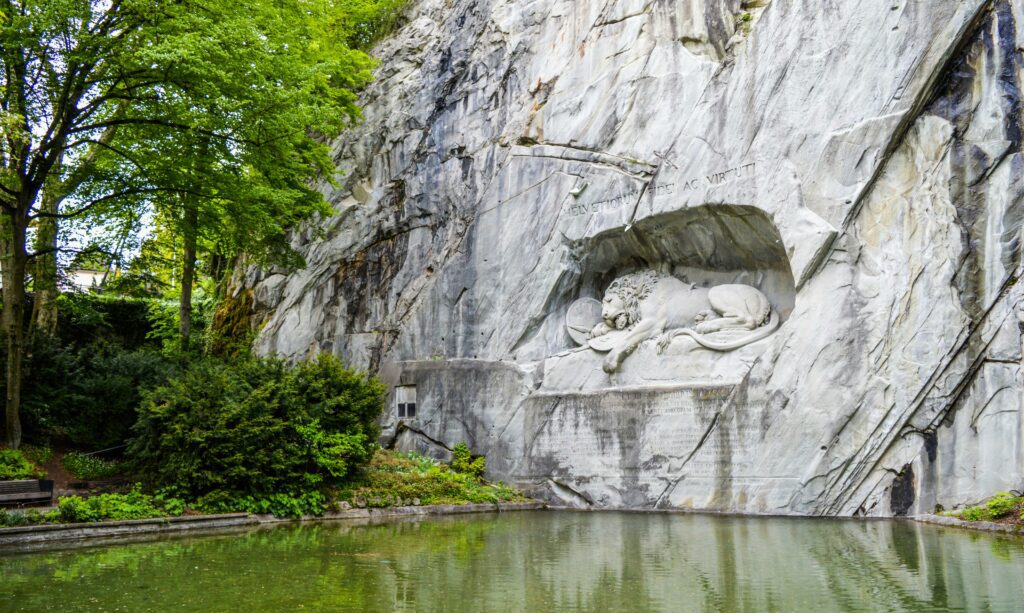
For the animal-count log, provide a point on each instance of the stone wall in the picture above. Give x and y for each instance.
(857, 161)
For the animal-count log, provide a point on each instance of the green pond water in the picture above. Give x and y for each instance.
(534, 561)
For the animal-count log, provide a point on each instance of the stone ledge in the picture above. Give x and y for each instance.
(436, 509)
(34, 535)
(60, 532)
(987, 526)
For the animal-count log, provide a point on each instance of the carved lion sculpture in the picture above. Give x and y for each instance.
(647, 305)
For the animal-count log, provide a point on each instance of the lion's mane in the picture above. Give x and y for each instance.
(632, 289)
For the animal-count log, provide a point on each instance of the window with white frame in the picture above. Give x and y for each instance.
(405, 401)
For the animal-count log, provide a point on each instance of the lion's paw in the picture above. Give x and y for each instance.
(707, 327)
(663, 342)
(611, 363)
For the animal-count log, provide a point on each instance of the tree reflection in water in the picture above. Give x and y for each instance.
(536, 561)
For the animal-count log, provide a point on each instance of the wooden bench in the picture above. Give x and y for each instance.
(25, 492)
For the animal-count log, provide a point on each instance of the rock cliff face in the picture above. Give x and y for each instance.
(857, 161)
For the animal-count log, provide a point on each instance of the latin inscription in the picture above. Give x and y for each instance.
(718, 179)
(708, 181)
(611, 204)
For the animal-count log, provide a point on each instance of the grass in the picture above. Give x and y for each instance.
(404, 479)
(1004, 507)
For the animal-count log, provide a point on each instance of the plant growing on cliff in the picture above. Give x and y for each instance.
(1000, 506)
(464, 462)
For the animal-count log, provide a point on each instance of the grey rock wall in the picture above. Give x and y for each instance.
(858, 161)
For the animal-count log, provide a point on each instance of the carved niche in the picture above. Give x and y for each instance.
(648, 305)
(717, 275)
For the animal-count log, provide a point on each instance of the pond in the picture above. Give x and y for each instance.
(535, 561)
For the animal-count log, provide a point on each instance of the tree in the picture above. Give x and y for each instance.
(219, 109)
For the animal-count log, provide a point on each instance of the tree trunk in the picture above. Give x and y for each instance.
(15, 259)
(44, 281)
(188, 272)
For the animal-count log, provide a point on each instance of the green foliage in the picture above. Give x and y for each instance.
(744, 22)
(90, 467)
(256, 434)
(14, 465)
(133, 505)
(231, 334)
(165, 317)
(83, 386)
(35, 454)
(27, 517)
(364, 22)
(280, 504)
(85, 317)
(973, 514)
(334, 454)
(214, 117)
(86, 395)
(463, 462)
(1000, 506)
(396, 479)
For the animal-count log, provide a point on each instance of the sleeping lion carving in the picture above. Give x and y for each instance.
(645, 305)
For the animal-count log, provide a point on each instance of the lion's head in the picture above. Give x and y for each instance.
(620, 308)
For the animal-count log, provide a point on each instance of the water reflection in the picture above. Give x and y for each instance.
(537, 561)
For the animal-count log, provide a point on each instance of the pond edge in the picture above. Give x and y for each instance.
(953, 522)
(22, 535)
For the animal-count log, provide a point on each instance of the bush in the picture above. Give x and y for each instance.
(86, 396)
(463, 462)
(27, 518)
(36, 454)
(14, 465)
(85, 318)
(999, 506)
(235, 436)
(89, 467)
(396, 479)
(165, 322)
(133, 505)
(279, 505)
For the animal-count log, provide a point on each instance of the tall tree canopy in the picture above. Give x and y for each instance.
(215, 112)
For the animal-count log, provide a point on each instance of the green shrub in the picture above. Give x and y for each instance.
(89, 467)
(27, 518)
(972, 514)
(234, 436)
(12, 519)
(999, 506)
(367, 21)
(279, 504)
(14, 465)
(165, 322)
(397, 479)
(133, 505)
(463, 462)
(36, 454)
(86, 395)
(85, 318)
